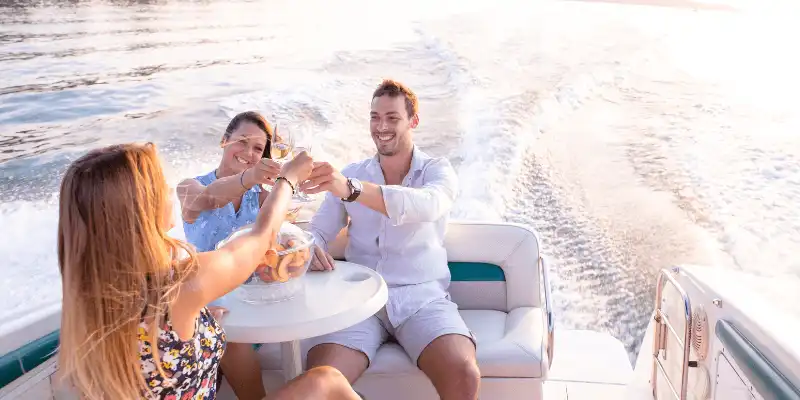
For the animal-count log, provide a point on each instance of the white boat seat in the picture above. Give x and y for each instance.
(499, 283)
(509, 346)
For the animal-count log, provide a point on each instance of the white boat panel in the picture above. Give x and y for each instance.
(767, 308)
(589, 356)
(730, 386)
(560, 390)
(34, 385)
(26, 328)
(737, 309)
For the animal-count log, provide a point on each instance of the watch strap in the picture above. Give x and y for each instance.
(354, 191)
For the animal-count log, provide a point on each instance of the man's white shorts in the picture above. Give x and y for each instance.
(435, 319)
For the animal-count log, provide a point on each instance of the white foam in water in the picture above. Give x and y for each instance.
(642, 147)
(749, 185)
(28, 247)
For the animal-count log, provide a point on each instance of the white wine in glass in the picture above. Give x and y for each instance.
(282, 149)
(280, 152)
(281, 144)
(303, 143)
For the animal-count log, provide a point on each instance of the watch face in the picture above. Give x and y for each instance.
(355, 189)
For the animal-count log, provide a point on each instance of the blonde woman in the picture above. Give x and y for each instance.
(134, 318)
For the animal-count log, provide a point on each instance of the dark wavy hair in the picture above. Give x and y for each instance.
(254, 118)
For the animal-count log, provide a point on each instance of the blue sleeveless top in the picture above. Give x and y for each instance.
(212, 226)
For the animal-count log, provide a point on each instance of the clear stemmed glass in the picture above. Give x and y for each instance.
(302, 143)
(282, 149)
(281, 144)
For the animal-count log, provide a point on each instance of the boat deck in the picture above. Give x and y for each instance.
(588, 365)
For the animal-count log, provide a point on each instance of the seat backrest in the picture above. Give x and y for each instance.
(493, 265)
(482, 255)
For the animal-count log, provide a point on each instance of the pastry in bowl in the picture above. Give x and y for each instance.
(284, 262)
(280, 272)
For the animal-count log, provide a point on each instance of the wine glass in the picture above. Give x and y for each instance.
(281, 144)
(282, 149)
(302, 143)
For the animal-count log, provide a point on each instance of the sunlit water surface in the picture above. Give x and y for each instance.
(631, 137)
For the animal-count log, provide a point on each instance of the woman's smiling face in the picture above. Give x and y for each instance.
(244, 147)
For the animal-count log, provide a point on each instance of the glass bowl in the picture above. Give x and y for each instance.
(280, 274)
(293, 211)
(296, 204)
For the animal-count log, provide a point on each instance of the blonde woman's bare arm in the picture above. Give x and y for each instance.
(220, 271)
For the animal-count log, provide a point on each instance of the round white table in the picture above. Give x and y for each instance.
(330, 301)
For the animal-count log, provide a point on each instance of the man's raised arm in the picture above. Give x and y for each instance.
(400, 204)
(425, 204)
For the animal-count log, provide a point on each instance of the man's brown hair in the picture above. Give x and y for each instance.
(392, 88)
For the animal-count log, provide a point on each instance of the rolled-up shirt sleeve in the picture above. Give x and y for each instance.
(424, 204)
(328, 221)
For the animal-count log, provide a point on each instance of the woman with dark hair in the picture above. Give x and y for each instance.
(215, 204)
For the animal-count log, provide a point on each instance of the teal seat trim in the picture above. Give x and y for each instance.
(462, 271)
(24, 359)
(475, 272)
(765, 377)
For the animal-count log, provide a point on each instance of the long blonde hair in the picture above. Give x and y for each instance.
(118, 266)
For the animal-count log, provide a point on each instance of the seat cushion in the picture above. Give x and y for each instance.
(509, 346)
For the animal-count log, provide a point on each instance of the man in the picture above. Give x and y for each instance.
(397, 203)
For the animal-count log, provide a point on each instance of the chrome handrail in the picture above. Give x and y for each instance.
(548, 306)
(659, 338)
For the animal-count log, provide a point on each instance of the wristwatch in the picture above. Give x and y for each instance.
(355, 189)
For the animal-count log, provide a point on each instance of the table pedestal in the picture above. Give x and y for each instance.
(331, 301)
(291, 359)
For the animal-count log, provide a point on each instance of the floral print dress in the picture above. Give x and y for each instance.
(190, 366)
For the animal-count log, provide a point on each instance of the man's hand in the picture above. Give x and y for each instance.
(321, 260)
(325, 178)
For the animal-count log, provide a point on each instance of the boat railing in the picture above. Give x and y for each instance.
(548, 306)
(663, 326)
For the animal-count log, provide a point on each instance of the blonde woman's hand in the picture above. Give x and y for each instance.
(298, 169)
(264, 172)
